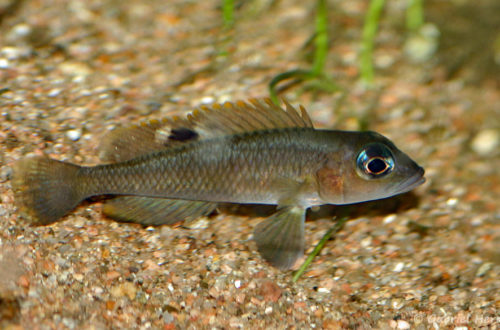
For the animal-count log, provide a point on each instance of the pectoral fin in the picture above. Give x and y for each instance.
(280, 238)
(150, 211)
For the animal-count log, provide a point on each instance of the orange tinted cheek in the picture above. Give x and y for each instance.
(331, 184)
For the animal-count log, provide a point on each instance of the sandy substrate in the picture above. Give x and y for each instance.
(72, 70)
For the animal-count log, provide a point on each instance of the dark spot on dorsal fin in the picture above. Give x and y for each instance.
(182, 134)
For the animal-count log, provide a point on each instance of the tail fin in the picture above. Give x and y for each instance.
(45, 189)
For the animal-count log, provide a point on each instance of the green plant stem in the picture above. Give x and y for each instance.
(338, 225)
(415, 15)
(369, 31)
(321, 39)
(228, 13)
(298, 74)
(320, 55)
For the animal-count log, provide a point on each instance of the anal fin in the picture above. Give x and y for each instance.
(152, 211)
(280, 238)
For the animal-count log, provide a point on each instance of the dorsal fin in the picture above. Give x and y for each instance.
(203, 123)
(240, 117)
(124, 143)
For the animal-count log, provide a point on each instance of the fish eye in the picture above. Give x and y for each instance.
(374, 161)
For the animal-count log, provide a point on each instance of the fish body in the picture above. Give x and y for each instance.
(256, 152)
(243, 168)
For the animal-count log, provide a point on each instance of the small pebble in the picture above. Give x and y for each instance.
(402, 324)
(127, 289)
(399, 267)
(484, 268)
(390, 218)
(53, 93)
(486, 141)
(200, 223)
(421, 46)
(21, 30)
(11, 53)
(75, 69)
(167, 317)
(207, 100)
(4, 63)
(270, 291)
(97, 290)
(397, 303)
(366, 242)
(70, 323)
(384, 61)
(441, 290)
(78, 277)
(74, 134)
(452, 202)
(323, 290)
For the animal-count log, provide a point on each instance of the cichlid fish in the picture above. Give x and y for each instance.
(244, 152)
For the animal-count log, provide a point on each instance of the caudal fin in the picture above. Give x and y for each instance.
(45, 189)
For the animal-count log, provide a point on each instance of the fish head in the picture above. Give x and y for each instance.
(368, 166)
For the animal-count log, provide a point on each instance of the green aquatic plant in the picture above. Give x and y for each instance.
(316, 73)
(228, 13)
(317, 249)
(414, 22)
(372, 19)
(415, 15)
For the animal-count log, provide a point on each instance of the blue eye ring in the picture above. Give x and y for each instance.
(374, 161)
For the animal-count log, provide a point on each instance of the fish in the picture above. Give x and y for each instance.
(249, 152)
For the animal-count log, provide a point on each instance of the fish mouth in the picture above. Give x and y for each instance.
(414, 181)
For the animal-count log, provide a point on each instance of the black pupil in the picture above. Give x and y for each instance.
(376, 166)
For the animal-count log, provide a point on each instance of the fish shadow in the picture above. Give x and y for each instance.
(381, 207)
